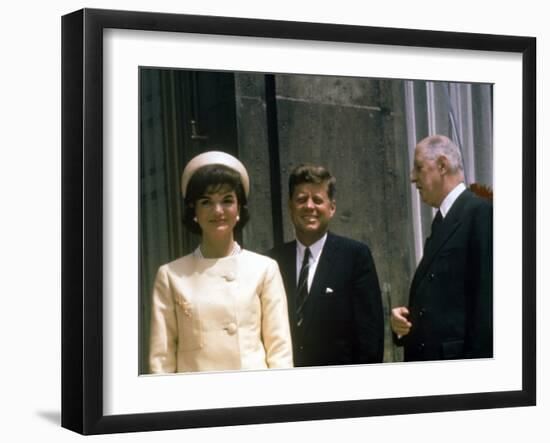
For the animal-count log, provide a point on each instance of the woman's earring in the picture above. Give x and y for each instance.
(238, 218)
(195, 219)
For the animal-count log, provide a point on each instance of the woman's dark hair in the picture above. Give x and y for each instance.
(212, 178)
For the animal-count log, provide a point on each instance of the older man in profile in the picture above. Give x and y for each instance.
(450, 309)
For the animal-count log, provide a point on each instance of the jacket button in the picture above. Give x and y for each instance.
(431, 276)
(230, 276)
(231, 328)
(421, 312)
(421, 347)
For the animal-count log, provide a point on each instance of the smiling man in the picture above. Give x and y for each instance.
(450, 309)
(334, 302)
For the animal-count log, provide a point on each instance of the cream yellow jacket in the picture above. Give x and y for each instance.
(219, 314)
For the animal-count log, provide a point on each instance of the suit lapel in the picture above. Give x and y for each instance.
(288, 271)
(449, 225)
(322, 273)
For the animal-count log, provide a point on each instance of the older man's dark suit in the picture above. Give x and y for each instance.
(343, 318)
(451, 295)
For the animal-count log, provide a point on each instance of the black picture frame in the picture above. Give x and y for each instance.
(82, 218)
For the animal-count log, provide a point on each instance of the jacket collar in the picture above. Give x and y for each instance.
(449, 225)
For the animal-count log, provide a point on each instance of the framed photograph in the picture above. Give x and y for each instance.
(143, 93)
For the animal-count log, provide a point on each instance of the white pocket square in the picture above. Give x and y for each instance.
(328, 291)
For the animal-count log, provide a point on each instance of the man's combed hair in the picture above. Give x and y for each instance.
(208, 179)
(308, 173)
(437, 145)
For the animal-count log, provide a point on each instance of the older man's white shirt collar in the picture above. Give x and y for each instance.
(450, 199)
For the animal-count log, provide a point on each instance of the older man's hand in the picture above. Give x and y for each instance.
(399, 321)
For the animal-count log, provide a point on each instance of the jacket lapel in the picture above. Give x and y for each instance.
(321, 277)
(449, 225)
(288, 271)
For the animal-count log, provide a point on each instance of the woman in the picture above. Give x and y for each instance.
(220, 307)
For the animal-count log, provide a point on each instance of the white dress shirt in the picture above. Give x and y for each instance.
(316, 249)
(448, 201)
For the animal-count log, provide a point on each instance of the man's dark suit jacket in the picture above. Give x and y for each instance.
(343, 318)
(451, 295)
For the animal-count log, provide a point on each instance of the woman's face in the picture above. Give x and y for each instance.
(217, 212)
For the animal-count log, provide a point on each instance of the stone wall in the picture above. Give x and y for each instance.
(353, 126)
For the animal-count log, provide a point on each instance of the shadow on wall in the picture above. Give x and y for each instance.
(54, 417)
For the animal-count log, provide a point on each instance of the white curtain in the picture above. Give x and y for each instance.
(462, 112)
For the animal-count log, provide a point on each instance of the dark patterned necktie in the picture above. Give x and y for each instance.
(438, 219)
(436, 224)
(302, 291)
